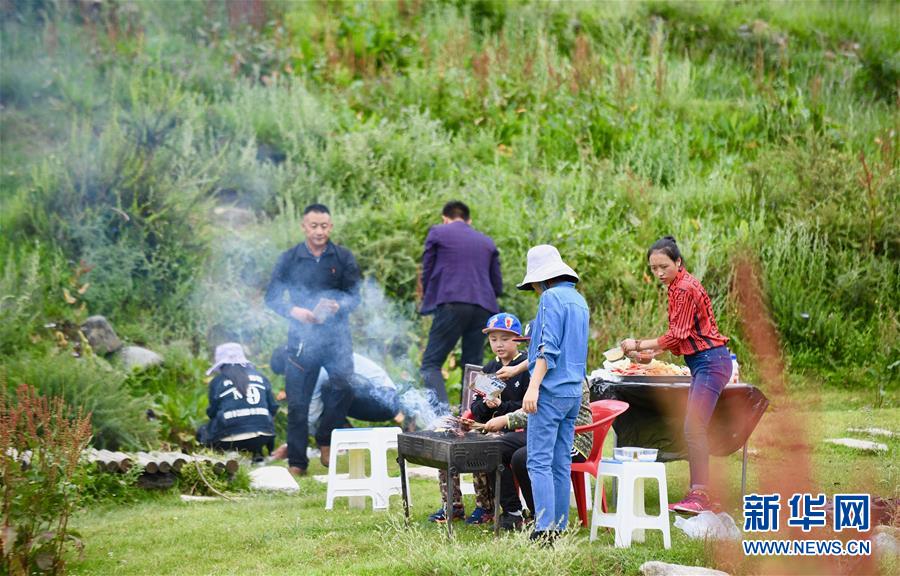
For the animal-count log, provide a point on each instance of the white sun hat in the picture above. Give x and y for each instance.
(544, 263)
(229, 353)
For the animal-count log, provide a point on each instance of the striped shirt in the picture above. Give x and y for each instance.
(692, 326)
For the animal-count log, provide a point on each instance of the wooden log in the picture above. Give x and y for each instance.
(124, 461)
(147, 463)
(108, 459)
(162, 461)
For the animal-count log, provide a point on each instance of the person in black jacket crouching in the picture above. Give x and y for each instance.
(241, 405)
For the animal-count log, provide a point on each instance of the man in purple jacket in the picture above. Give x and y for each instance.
(460, 284)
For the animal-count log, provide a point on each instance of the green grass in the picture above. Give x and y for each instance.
(277, 534)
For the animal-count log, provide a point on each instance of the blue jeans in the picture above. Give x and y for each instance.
(710, 372)
(551, 433)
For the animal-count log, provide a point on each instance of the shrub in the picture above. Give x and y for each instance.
(41, 441)
(175, 390)
(91, 385)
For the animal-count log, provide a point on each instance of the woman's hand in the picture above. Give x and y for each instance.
(281, 396)
(492, 402)
(628, 345)
(530, 401)
(495, 424)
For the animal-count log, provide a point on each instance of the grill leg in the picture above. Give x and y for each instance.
(403, 487)
(448, 507)
(497, 474)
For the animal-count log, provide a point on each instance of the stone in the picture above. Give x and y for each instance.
(273, 479)
(656, 568)
(873, 432)
(136, 357)
(886, 541)
(234, 217)
(100, 335)
(863, 445)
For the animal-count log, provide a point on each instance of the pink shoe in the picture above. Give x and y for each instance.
(695, 502)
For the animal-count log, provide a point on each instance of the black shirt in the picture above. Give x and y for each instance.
(307, 279)
(510, 398)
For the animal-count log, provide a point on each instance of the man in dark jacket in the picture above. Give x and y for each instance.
(461, 281)
(322, 282)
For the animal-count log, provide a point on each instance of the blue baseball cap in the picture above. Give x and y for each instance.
(503, 322)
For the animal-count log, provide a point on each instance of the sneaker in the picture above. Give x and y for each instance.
(544, 538)
(695, 502)
(511, 521)
(480, 516)
(459, 513)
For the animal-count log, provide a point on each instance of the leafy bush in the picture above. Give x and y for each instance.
(90, 384)
(175, 390)
(36, 291)
(204, 479)
(99, 486)
(41, 441)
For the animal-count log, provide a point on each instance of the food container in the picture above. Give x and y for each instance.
(632, 453)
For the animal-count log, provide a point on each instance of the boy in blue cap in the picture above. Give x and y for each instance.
(502, 330)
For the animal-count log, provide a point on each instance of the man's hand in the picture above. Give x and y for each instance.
(491, 402)
(331, 305)
(628, 345)
(509, 372)
(530, 401)
(495, 424)
(281, 396)
(303, 315)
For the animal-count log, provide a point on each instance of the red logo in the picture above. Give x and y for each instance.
(508, 321)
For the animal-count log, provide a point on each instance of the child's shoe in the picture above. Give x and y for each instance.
(511, 521)
(480, 516)
(459, 513)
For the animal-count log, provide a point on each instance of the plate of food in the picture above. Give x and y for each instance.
(653, 371)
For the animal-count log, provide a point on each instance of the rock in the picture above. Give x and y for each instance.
(273, 478)
(136, 357)
(655, 568)
(100, 335)
(864, 445)
(234, 217)
(873, 432)
(886, 541)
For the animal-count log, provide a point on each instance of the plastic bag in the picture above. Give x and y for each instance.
(707, 525)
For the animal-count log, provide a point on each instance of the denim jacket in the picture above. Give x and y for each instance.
(559, 335)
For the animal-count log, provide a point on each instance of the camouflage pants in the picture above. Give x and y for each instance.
(484, 490)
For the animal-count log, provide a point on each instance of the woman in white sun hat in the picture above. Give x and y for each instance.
(241, 405)
(557, 359)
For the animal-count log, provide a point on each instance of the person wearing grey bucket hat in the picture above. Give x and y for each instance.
(241, 405)
(557, 360)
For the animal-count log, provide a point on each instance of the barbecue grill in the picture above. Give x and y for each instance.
(455, 452)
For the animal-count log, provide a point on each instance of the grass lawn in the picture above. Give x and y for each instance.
(269, 534)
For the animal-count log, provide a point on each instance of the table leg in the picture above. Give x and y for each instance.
(497, 474)
(744, 469)
(403, 488)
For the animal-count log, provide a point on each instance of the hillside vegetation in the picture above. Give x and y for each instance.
(155, 161)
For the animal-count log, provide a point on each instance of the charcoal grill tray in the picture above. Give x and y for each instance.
(473, 452)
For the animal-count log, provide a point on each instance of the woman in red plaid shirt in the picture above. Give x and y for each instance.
(692, 333)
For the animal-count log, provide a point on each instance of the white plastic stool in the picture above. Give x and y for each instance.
(378, 485)
(630, 519)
